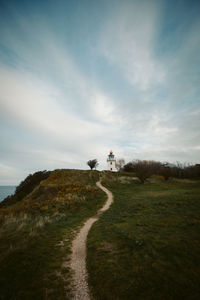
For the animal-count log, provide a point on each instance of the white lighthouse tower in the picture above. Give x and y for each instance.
(111, 162)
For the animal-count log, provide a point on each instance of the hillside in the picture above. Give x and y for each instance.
(36, 234)
(25, 188)
(146, 246)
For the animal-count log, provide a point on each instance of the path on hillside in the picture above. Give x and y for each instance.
(78, 257)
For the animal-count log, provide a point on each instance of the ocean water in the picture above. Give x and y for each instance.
(6, 191)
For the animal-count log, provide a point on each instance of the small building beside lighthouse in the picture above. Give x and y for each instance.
(111, 162)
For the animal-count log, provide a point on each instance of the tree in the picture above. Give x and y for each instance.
(165, 170)
(93, 163)
(143, 169)
(128, 167)
(120, 164)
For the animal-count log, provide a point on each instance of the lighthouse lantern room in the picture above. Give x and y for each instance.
(111, 161)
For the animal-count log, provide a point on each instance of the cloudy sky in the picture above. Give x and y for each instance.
(79, 78)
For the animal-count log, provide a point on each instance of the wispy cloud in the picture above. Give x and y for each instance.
(128, 41)
(53, 101)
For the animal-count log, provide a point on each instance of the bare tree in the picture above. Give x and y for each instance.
(143, 169)
(120, 164)
(93, 163)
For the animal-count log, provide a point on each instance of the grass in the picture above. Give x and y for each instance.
(36, 235)
(146, 246)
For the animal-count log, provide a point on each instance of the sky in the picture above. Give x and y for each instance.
(82, 77)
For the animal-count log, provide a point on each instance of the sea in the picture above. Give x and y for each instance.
(6, 191)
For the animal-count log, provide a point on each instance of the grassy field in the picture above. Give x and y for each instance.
(147, 246)
(36, 235)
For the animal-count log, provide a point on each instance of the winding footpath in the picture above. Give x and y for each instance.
(78, 257)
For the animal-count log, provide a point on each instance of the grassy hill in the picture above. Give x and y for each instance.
(25, 188)
(147, 245)
(37, 230)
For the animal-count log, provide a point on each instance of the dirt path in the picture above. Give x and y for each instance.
(78, 257)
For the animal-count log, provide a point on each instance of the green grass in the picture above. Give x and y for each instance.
(146, 246)
(36, 235)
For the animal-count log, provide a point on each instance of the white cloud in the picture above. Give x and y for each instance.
(32, 104)
(127, 41)
(64, 137)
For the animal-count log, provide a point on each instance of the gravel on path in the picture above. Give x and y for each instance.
(78, 257)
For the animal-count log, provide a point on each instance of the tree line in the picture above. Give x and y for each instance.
(144, 169)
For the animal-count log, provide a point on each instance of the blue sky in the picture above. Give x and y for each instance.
(79, 78)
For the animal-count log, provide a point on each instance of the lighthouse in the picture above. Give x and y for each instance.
(111, 162)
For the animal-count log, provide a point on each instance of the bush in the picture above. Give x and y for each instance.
(25, 187)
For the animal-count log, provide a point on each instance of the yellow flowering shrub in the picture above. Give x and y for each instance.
(61, 190)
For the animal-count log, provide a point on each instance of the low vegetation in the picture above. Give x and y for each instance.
(36, 234)
(147, 245)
